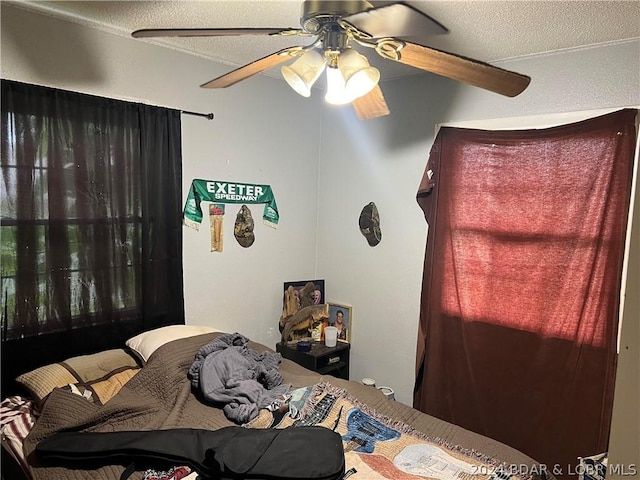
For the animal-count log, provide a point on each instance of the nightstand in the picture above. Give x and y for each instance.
(322, 359)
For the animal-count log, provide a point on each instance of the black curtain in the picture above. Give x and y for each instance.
(91, 225)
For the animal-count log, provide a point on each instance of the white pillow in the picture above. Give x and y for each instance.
(146, 343)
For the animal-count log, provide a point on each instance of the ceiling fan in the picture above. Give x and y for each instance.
(339, 26)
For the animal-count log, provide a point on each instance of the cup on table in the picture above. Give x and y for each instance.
(330, 336)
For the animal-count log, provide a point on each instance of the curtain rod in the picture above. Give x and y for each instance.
(209, 116)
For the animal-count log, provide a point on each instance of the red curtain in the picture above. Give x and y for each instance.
(521, 286)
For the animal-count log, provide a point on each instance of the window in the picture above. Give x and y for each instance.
(59, 250)
(90, 205)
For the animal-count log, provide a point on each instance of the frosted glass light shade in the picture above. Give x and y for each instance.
(302, 74)
(337, 93)
(359, 77)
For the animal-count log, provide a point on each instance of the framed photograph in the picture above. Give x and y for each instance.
(341, 316)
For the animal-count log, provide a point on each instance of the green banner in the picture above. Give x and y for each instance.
(228, 192)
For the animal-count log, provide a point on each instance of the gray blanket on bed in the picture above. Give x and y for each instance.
(228, 372)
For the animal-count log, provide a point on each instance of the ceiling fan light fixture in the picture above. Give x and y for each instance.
(337, 93)
(303, 73)
(359, 77)
(336, 23)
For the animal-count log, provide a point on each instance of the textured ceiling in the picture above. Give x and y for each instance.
(484, 30)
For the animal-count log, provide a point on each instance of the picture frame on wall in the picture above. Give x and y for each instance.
(341, 316)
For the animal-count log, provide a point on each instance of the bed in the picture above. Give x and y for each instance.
(148, 388)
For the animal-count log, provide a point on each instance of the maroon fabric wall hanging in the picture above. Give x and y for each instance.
(520, 300)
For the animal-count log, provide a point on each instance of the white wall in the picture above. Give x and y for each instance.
(323, 168)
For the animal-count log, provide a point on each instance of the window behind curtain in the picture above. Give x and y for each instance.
(91, 219)
(521, 286)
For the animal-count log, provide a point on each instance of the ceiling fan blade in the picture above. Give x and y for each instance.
(371, 105)
(460, 68)
(213, 32)
(254, 68)
(395, 20)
